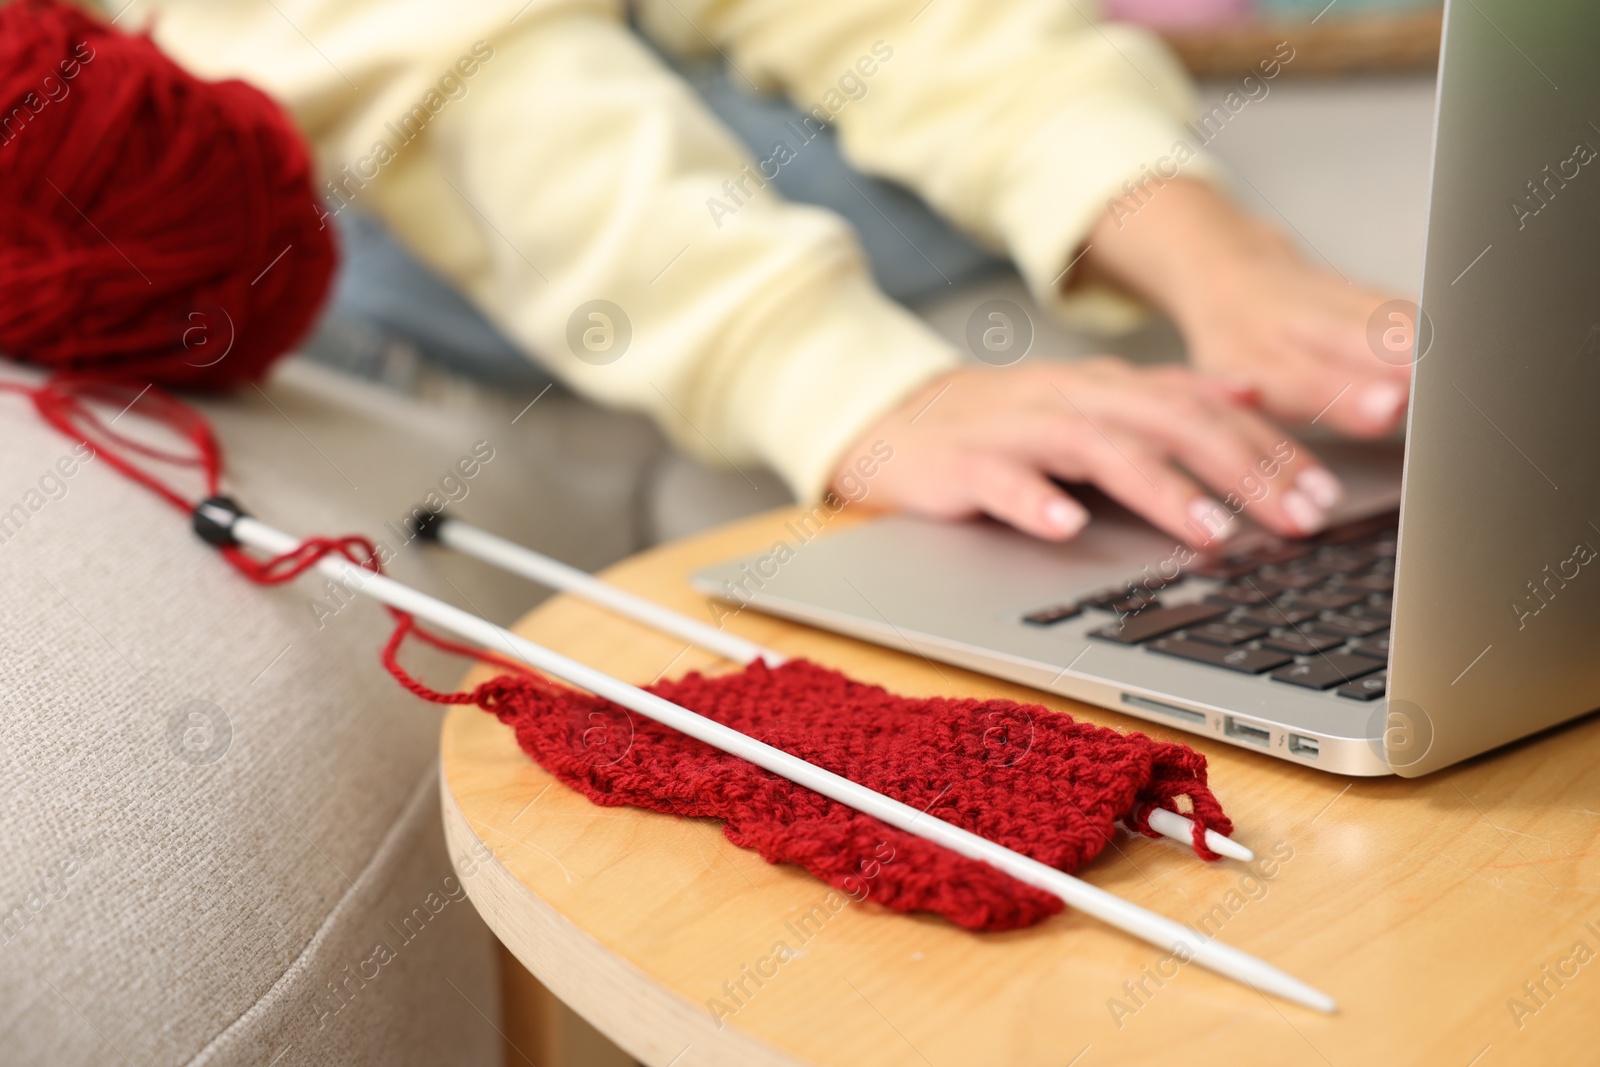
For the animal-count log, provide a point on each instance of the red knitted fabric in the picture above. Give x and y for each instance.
(1028, 778)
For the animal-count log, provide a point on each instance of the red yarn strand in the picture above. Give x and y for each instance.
(64, 403)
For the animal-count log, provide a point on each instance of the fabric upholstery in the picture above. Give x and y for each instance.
(214, 803)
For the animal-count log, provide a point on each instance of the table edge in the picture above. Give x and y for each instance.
(651, 1023)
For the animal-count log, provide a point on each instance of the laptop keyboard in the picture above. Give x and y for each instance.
(1313, 614)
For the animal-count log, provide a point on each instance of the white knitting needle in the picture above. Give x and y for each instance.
(1162, 932)
(510, 556)
(1180, 829)
(518, 559)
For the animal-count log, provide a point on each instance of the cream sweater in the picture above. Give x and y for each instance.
(537, 155)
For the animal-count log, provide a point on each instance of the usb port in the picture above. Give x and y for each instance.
(1304, 747)
(1243, 731)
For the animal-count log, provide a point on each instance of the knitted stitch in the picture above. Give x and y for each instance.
(1028, 778)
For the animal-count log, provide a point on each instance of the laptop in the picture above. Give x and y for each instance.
(1454, 604)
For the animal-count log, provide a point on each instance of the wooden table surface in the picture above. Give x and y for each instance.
(1450, 916)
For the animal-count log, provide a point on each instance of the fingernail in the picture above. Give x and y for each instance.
(1303, 512)
(1242, 390)
(1382, 402)
(1321, 486)
(1213, 519)
(1066, 516)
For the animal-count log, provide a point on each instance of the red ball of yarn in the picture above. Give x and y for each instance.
(157, 228)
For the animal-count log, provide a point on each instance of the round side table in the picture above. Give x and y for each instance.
(1423, 906)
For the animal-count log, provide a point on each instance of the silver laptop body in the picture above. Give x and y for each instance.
(1495, 631)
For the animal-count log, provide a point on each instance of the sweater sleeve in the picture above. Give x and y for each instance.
(1020, 120)
(539, 157)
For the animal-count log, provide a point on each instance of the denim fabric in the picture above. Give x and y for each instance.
(388, 314)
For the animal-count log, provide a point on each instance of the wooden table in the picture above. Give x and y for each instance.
(1423, 906)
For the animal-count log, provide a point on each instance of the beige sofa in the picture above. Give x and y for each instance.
(220, 815)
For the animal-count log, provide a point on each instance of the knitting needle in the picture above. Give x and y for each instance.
(510, 556)
(1164, 933)
(1181, 829)
(473, 541)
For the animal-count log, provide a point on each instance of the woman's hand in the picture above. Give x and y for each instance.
(989, 440)
(1254, 311)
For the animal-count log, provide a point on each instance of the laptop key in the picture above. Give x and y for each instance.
(1371, 687)
(1277, 615)
(1223, 632)
(1375, 646)
(1263, 586)
(1302, 643)
(1222, 568)
(1282, 552)
(1243, 660)
(1136, 629)
(1051, 616)
(1350, 625)
(1383, 611)
(1361, 530)
(1327, 599)
(1134, 604)
(1115, 598)
(1344, 562)
(1295, 579)
(1327, 670)
(1371, 583)
(1241, 595)
(1105, 598)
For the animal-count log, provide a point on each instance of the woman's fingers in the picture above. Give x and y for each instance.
(996, 438)
(1246, 461)
(1377, 361)
(1353, 401)
(1372, 333)
(1018, 494)
(1142, 479)
(1336, 356)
